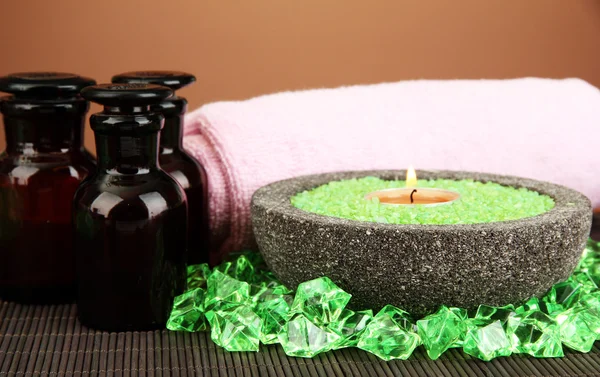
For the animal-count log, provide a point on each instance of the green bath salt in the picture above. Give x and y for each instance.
(478, 203)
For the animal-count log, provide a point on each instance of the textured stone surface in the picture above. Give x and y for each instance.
(420, 267)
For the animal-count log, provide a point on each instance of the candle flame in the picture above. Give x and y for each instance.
(411, 177)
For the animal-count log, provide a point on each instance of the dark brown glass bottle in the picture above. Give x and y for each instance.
(173, 159)
(130, 217)
(595, 234)
(40, 170)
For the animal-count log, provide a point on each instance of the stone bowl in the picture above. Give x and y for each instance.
(420, 267)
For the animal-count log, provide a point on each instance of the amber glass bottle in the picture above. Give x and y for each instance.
(40, 170)
(130, 217)
(186, 170)
(596, 225)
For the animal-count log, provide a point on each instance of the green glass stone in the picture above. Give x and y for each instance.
(225, 268)
(237, 329)
(274, 314)
(534, 333)
(542, 306)
(486, 339)
(591, 299)
(240, 269)
(197, 274)
(279, 289)
(389, 335)
(224, 291)
(590, 260)
(303, 338)
(270, 296)
(243, 270)
(593, 245)
(588, 282)
(566, 294)
(187, 313)
(441, 331)
(255, 259)
(320, 300)
(350, 326)
(245, 266)
(592, 250)
(533, 304)
(460, 313)
(494, 313)
(264, 292)
(591, 302)
(268, 278)
(259, 293)
(579, 327)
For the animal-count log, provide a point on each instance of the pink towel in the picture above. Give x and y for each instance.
(537, 128)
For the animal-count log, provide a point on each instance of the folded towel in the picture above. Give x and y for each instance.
(537, 128)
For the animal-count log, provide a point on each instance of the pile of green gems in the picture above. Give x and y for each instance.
(479, 202)
(244, 305)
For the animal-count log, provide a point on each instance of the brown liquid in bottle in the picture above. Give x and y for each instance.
(130, 217)
(40, 170)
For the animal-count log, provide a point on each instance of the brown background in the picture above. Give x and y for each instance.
(242, 48)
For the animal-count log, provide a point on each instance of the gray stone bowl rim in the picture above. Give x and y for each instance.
(277, 196)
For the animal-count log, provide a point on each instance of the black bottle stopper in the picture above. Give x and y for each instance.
(44, 85)
(174, 106)
(126, 113)
(171, 79)
(44, 93)
(127, 98)
(49, 98)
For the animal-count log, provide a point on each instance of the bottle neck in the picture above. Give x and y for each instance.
(51, 133)
(171, 136)
(127, 154)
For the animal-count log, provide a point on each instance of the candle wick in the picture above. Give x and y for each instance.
(411, 196)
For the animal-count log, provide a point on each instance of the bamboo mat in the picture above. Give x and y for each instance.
(49, 341)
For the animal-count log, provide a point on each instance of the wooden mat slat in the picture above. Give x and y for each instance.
(48, 341)
(31, 340)
(138, 363)
(255, 366)
(586, 363)
(200, 359)
(226, 365)
(61, 355)
(284, 366)
(70, 344)
(182, 356)
(422, 367)
(291, 362)
(429, 366)
(265, 362)
(329, 368)
(353, 354)
(45, 347)
(120, 355)
(338, 369)
(8, 329)
(17, 344)
(153, 356)
(82, 346)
